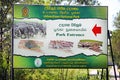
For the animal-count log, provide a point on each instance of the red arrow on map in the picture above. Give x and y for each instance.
(96, 30)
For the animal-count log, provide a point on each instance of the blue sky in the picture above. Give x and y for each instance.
(113, 8)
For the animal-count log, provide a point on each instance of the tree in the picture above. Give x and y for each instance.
(117, 21)
(54, 2)
(116, 39)
(116, 45)
(5, 38)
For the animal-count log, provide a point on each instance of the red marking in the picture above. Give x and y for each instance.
(96, 30)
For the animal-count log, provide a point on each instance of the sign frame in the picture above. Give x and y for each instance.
(38, 57)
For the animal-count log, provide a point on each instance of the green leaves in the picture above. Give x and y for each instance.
(117, 20)
(116, 45)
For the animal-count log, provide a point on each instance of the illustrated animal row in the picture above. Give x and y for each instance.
(57, 44)
(27, 30)
(93, 46)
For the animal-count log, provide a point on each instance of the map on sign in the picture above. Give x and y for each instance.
(59, 36)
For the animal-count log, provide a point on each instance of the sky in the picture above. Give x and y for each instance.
(113, 8)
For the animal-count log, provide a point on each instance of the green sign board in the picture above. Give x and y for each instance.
(60, 36)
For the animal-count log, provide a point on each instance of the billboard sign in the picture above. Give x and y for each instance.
(60, 36)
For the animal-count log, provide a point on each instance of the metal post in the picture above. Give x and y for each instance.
(107, 76)
(102, 74)
(1, 32)
(88, 74)
(12, 69)
(112, 55)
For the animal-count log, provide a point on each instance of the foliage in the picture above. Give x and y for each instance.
(54, 74)
(54, 2)
(117, 20)
(116, 45)
(116, 39)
